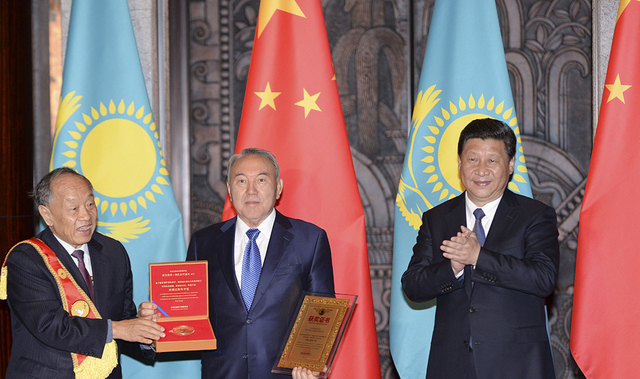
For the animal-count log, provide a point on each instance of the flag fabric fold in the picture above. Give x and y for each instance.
(105, 130)
(292, 108)
(604, 330)
(464, 77)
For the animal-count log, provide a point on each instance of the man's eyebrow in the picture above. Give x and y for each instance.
(260, 173)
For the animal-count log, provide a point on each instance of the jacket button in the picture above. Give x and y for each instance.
(466, 343)
(245, 356)
(472, 310)
(249, 321)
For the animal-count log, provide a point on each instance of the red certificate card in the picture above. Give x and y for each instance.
(181, 292)
(180, 289)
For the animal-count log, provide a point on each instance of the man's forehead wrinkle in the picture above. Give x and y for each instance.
(70, 199)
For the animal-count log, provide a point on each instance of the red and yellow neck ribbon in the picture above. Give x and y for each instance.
(77, 303)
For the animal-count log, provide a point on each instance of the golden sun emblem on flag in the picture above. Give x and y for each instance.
(117, 148)
(433, 155)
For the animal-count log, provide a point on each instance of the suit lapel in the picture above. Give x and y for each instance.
(99, 265)
(278, 243)
(504, 219)
(226, 244)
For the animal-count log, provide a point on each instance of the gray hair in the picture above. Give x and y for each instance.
(253, 151)
(42, 193)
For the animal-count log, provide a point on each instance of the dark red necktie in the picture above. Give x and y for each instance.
(79, 255)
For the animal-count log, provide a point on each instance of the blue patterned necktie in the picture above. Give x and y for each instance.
(251, 268)
(477, 228)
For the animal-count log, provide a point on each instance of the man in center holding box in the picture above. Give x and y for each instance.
(260, 263)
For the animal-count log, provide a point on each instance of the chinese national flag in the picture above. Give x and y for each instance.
(605, 334)
(292, 108)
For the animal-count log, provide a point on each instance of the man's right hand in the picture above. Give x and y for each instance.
(137, 330)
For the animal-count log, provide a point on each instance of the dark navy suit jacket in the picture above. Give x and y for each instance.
(503, 311)
(298, 259)
(44, 334)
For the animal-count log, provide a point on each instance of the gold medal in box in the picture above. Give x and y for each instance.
(183, 330)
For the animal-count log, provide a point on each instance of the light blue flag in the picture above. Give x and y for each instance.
(464, 77)
(105, 130)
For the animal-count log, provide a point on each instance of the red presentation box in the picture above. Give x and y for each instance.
(181, 292)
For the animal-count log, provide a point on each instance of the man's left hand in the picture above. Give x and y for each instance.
(463, 247)
(148, 311)
(303, 373)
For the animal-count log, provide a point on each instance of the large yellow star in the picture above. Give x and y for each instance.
(622, 7)
(269, 7)
(267, 97)
(309, 103)
(617, 90)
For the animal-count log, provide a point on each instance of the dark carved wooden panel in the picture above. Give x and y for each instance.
(16, 141)
(377, 48)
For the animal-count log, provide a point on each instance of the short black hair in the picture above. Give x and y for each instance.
(489, 128)
(42, 193)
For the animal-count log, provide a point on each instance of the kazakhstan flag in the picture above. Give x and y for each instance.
(464, 77)
(105, 130)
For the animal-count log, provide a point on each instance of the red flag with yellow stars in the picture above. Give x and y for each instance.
(605, 337)
(292, 108)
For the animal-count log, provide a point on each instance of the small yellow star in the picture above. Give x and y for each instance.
(617, 90)
(269, 7)
(309, 103)
(267, 97)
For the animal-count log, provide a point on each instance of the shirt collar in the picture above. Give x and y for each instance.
(265, 226)
(70, 249)
(489, 209)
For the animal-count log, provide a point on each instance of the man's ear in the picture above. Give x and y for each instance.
(46, 214)
(279, 187)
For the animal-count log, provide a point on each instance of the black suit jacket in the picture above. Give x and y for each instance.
(503, 311)
(44, 334)
(298, 259)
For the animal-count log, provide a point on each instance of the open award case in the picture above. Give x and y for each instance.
(181, 292)
(315, 333)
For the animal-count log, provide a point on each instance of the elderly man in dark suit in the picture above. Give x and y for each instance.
(70, 290)
(254, 296)
(490, 257)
